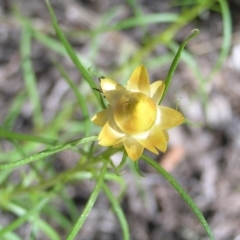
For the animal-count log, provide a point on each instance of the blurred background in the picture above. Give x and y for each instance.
(113, 37)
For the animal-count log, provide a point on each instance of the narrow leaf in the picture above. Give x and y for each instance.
(47, 152)
(77, 226)
(182, 193)
(71, 52)
(175, 62)
(118, 210)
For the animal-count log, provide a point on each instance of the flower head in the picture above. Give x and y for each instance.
(133, 117)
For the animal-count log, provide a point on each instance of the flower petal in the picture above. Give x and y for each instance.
(118, 145)
(155, 139)
(169, 118)
(157, 89)
(110, 134)
(102, 117)
(133, 148)
(109, 84)
(166, 135)
(139, 81)
(112, 90)
(148, 145)
(114, 95)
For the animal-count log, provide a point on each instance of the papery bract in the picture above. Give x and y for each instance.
(133, 117)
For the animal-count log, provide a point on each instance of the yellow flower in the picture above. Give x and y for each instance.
(133, 117)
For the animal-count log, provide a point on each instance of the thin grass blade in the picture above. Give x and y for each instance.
(29, 76)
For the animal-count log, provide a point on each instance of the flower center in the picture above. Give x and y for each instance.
(135, 112)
